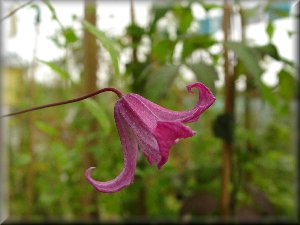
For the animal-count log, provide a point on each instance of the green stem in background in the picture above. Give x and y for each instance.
(133, 40)
(66, 102)
(15, 10)
(54, 15)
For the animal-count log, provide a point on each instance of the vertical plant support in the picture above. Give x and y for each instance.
(229, 110)
(3, 155)
(31, 130)
(31, 166)
(90, 66)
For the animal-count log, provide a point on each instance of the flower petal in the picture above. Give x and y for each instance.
(130, 149)
(205, 100)
(167, 133)
(138, 117)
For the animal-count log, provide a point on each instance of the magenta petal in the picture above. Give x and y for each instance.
(152, 154)
(167, 134)
(130, 149)
(137, 117)
(205, 100)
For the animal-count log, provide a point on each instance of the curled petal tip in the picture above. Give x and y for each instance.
(107, 186)
(196, 85)
(190, 86)
(88, 172)
(210, 98)
(189, 89)
(130, 148)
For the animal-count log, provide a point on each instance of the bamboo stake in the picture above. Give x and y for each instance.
(31, 173)
(229, 110)
(89, 82)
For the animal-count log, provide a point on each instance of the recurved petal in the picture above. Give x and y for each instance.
(130, 149)
(167, 134)
(205, 100)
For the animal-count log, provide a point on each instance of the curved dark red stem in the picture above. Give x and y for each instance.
(67, 101)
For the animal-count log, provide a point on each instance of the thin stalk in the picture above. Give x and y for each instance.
(133, 41)
(118, 93)
(15, 10)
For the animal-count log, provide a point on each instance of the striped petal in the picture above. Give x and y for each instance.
(130, 149)
(205, 100)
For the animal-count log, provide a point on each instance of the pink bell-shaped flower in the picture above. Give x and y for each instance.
(151, 128)
(142, 125)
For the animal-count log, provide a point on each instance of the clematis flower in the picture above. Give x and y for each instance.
(152, 129)
(142, 125)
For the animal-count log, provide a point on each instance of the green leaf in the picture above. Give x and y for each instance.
(52, 10)
(157, 12)
(98, 112)
(136, 32)
(209, 6)
(45, 127)
(251, 13)
(183, 16)
(250, 60)
(107, 43)
(70, 35)
(291, 33)
(137, 71)
(269, 49)
(163, 50)
(62, 73)
(192, 42)
(248, 57)
(269, 95)
(287, 84)
(159, 81)
(270, 30)
(205, 73)
(22, 159)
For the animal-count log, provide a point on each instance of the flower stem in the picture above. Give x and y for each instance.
(67, 101)
(15, 10)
